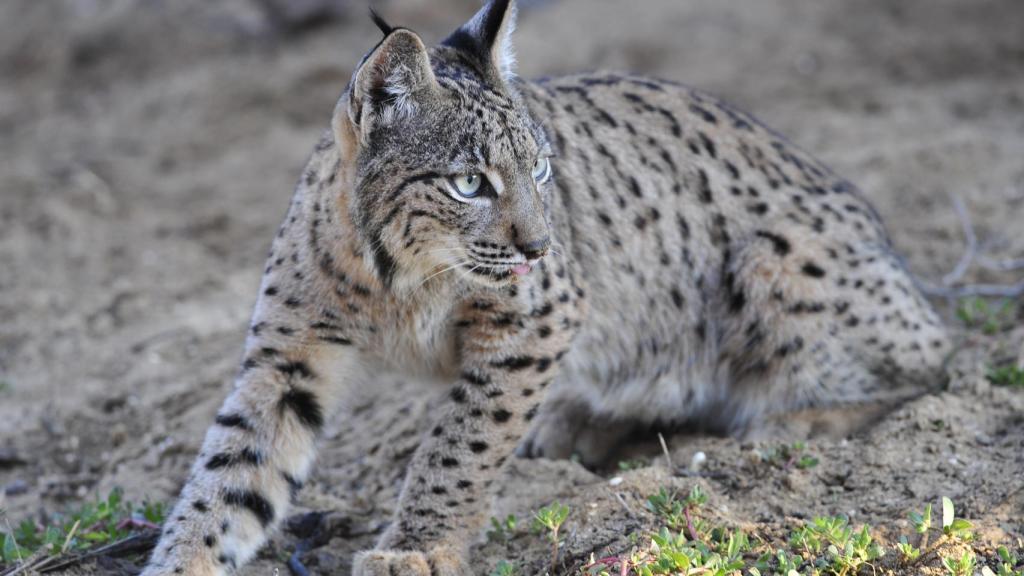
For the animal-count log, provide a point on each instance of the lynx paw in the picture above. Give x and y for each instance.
(438, 562)
(561, 431)
(196, 569)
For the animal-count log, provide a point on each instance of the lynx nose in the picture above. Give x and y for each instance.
(534, 249)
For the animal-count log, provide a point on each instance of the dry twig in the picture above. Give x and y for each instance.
(948, 288)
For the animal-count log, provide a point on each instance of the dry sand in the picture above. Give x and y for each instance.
(149, 149)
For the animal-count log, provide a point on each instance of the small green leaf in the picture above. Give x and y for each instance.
(1005, 556)
(947, 512)
(959, 525)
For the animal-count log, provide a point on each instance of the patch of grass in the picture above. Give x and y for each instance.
(5, 387)
(677, 513)
(93, 524)
(835, 547)
(790, 455)
(962, 566)
(825, 546)
(633, 464)
(1010, 375)
(977, 313)
(504, 568)
(1006, 566)
(951, 529)
(502, 530)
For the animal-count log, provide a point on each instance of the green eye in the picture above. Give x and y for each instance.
(468, 185)
(541, 169)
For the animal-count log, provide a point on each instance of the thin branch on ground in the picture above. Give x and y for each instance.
(947, 287)
(968, 290)
(1001, 264)
(664, 448)
(625, 506)
(970, 239)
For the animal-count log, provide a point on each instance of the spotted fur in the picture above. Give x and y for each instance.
(681, 263)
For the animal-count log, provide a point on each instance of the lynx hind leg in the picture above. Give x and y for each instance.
(834, 422)
(567, 427)
(809, 324)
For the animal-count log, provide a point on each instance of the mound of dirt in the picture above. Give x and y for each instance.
(148, 153)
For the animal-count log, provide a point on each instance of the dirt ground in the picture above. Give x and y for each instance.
(149, 149)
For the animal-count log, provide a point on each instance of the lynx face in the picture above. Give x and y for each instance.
(451, 172)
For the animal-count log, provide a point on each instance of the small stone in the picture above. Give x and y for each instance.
(615, 481)
(10, 458)
(15, 488)
(698, 460)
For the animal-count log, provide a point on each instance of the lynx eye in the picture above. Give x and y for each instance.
(541, 169)
(468, 185)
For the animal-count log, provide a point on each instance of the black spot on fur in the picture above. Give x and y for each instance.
(296, 368)
(677, 297)
(294, 484)
(779, 244)
(476, 379)
(305, 406)
(232, 421)
(247, 456)
(515, 363)
(543, 364)
(704, 187)
(252, 501)
(813, 270)
(459, 395)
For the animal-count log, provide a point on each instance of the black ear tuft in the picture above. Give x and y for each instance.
(486, 37)
(379, 21)
(492, 22)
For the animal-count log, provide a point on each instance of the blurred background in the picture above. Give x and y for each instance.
(148, 150)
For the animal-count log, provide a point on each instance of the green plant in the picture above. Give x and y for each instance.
(633, 464)
(977, 313)
(696, 498)
(5, 386)
(908, 553)
(676, 513)
(790, 455)
(551, 518)
(504, 568)
(785, 564)
(1009, 375)
(668, 507)
(673, 553)
(94, 523)
(502, 530)
(1007, 562)
(922, 522)
(835, 546)
(962, 566)
(952, 526)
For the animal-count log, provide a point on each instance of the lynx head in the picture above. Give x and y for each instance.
(450, 174)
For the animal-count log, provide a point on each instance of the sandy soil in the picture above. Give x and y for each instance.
(149, 149)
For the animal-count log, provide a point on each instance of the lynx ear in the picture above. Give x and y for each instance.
(391, 83)
(488, 38)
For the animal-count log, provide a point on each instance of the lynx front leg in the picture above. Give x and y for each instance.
(255, 457)
(509, 359)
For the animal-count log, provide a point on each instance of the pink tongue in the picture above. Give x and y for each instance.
(521, 269)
